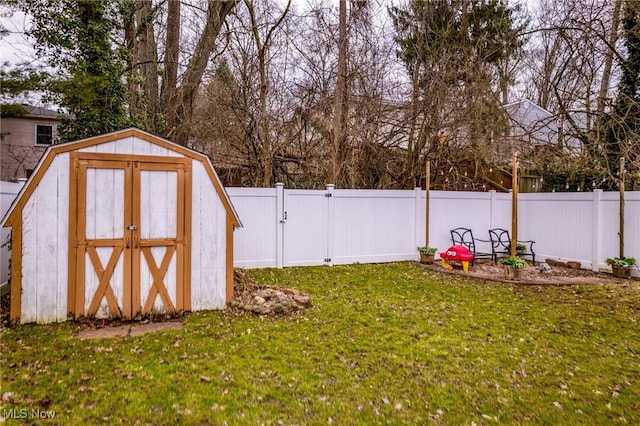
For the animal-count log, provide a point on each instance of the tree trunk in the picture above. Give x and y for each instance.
(608, 64)
(339, 108)
(180, 111)
(171, 55)
(131, 42)
(263, 46)
(148, 54)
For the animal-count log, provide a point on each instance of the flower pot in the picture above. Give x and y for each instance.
(511, 273)
(621, 271)
(426, 258)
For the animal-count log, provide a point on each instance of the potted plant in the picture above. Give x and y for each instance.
(513, 267)
(521, 248)
(426, 254)
(621, 266)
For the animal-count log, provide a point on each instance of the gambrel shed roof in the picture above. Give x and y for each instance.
(53, 150)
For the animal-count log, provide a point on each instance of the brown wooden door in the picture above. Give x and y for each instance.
(130, 251)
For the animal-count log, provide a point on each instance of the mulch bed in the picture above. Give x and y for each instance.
(532, 274)
(5, 308)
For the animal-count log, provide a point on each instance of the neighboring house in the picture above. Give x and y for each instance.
(23, 140)
(530, 123)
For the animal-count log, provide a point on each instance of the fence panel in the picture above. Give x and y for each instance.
(609, 241)
(449, 210)
(373, 226)
(255, 244)
(8, 193)
(562, 225)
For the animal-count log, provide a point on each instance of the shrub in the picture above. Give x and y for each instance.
(621, 261)
(515, 262)
(427, 250)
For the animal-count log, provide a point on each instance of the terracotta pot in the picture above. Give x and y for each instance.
(426, 258)
(621, 271)
(511, 273)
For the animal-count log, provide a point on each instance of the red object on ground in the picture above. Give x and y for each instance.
(460, 253)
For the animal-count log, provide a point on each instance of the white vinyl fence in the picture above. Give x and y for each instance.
(337, 226)
(295, 227)
(8, 192)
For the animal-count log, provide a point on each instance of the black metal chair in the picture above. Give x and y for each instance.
(501, 244)
(464, 237)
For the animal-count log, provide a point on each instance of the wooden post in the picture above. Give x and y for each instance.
(514, 204)
(621, 185)
(427, 186)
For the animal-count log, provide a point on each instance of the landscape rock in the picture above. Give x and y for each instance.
(544, 268)
(275, 300)
(302, 299)
(574, 265)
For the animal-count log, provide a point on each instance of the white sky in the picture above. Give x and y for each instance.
(14, 47)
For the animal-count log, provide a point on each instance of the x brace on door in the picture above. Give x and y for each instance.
(158, 285)
(104, 275)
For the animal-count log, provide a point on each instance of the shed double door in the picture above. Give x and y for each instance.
(130, 251)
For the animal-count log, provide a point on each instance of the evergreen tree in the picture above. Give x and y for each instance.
(76, 37)
(451, 50)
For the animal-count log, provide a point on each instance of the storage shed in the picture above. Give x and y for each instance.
(120, 226)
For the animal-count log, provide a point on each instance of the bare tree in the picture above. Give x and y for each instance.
(263, 43)
(167, 107)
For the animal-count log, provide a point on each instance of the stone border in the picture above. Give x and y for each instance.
(545, 282)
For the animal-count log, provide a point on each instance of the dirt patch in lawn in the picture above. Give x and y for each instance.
(534, 274)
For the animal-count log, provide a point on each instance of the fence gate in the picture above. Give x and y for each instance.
(130, 253)
(306, 227)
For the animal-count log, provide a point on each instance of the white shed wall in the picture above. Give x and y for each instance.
(45, 246)
(208, 243)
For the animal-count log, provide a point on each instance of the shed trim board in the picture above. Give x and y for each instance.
(116, 261)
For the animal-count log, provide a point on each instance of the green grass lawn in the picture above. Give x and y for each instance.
(382, 344)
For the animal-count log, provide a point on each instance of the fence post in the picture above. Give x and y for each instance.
(596, 252)
(492, 207)
(330, 223)
(280, 225)
(419, 219)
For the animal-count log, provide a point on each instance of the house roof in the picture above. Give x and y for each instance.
(40, 112)
(54, 150)
(533, 121)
